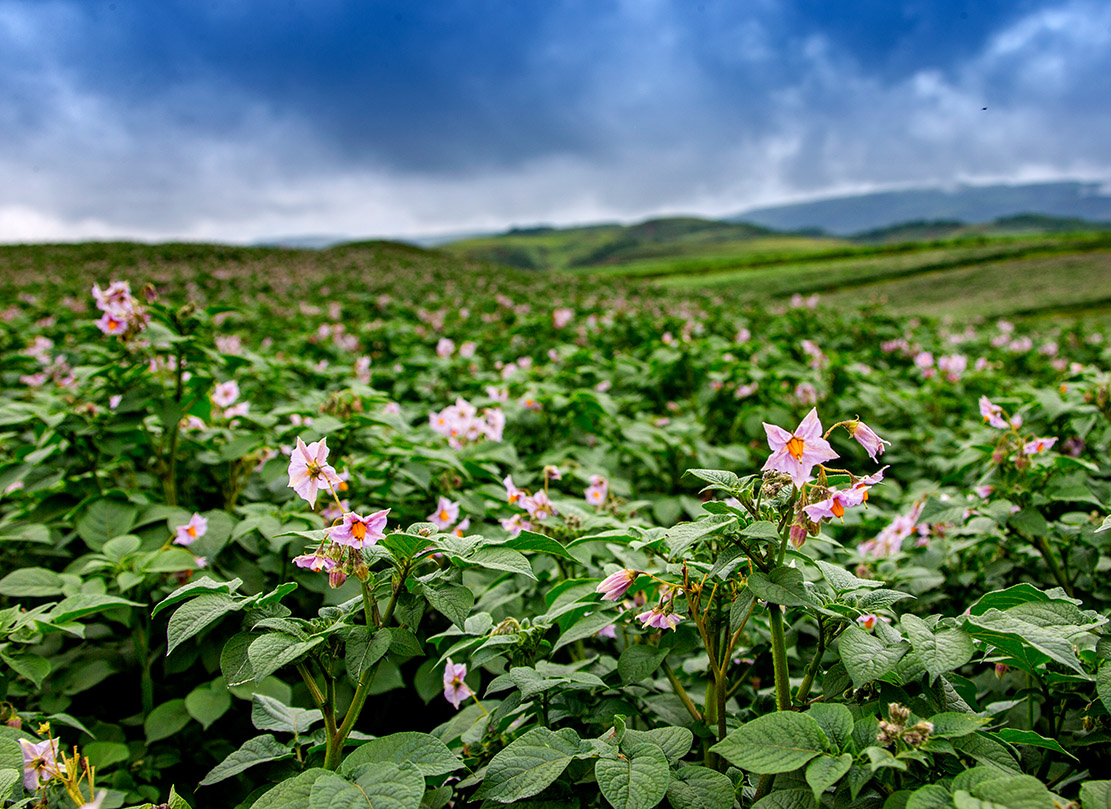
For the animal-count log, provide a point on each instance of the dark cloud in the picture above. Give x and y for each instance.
(241, 118)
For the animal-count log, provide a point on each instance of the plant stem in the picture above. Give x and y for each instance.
(1054, 566)
(681, 692)
(142, 649)
(815, 663)
(779, 659)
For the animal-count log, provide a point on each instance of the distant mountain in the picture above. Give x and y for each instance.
(1022, 224)
(967, 204)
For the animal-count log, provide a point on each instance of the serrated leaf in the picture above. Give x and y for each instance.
(773, 743)
(637, 781)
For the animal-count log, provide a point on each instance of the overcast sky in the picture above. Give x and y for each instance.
(239, 120)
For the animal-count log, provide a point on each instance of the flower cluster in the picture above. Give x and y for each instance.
(122, 314)
(461, 423)
(537, 507)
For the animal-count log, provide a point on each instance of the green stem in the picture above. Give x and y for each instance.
(170, 483)
(779, 659)
(815, 664)
(1054, 566)
(142, 649)
(682, 693)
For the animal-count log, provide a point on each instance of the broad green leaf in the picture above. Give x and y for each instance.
(952, 725)
(363, 650)
(254, 751)
(674, 741)
(1096, 794)
(638, 662)
(639, 780)
(427, 753)
(717, 479)
(193, 616)
(1016, 736)
(530, 764)
(201, 585)
(773, 743)
(166, 720)
(1014, 792)
(942, 652)
(1103, 684)
(784, 585)
(31, 582)
(931, 796)
(293, 792)
(499, 558)
(105, 519)
(30, 666)
(835, 720)
(790, 798)
(585, 627)
(82, 604)
(695, 787)
(268, 713)
(866, 657)
(842, 580)
(825, 771)
(454, 601)
(383, 785)
(529, 541)
(207, 703)
(680, 538)
(269, 652)
(235, 666)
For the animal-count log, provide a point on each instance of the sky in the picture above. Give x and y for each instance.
(247, 120)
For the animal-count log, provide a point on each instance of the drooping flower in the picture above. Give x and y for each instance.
(455, 690)
(309, 469)
(834, 506)
(1038, 445)
(797, 453)
(615, 585)
(552, 472)
(446, 513)
(867, 438)
(862, 485)
(992, 413)
(516, 524)
(359, 532)
(39, 762)
(314, 561)
(187, 534)
(868, 621)
(656, 617)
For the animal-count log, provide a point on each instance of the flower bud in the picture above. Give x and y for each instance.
(798, 535)
(1001, 669)
(336, 578)
(899, 714)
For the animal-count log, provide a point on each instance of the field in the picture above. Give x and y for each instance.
(690, 515)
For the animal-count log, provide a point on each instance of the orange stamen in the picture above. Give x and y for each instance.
(444, 516)
(796, 446)
(191, 531)
(358, 529)
(837, 509)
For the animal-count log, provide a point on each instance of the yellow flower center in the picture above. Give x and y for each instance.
(796, 446)
(444, 516)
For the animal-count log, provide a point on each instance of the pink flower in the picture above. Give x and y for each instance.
(607, 632)
(614, 586)
(446, 513)
(561, 317)
(552, 473)
(225, 393)
(1038, 445)
(309, 469)
(314, 561)
(834, 506)
(237, 410)
(862, 485)
(868, 621)
(445, 348)
(464, 524)
(455, 690)
(111, 323)
(114, 400)
(597, 491)
(992, 413)
(743, 335)
(867, 438)
(187, 534)
(516, 524)
(659, 619)
(512, 493)
(797, 453)
(984, 490)
(539, 506)
(39, 762)
(359, 532)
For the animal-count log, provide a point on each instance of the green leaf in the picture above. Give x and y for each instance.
(454, 601)
(786, 799)
(638, 662)
(363, 650)
(207, 703)
(235, 666)
(773, 743)
(762, 530)
(105, 519)
(842, 580)
(680, 538)
(268, 653)
(529, 541)
(499, 558)
(946, 651)
(825, 771)
(1013, 792)
(175, 801)
(1046, 627)
(293, 792)
(31, 582)
(784, 585)
(82, 604)
(1103, 526)
(103, 755)
(1103, 684)
(637, 781)
(953, 725)
(1096, 794)
(674, 741)
(585, 627)
(383, 786)
(194, 616)
(427, 753)
(695, 787)
(717, 478)
(257, 750)
(29, 666)
(201, 585)
(268, 713)
(835, 720)
(931, 796)
(530, 764)
(866, 657)
(166, 720)
(1015, 736)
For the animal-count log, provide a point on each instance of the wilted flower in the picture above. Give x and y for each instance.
(446, 513)
(359, 532)
(992, 413)
(797, 453)
(539, 506)
(309, 469)
(187, 534)
(656, 617)
(39, 762)
(314, 561)
(867, 438)
(834, 506)
(455, 690)
(614, 586)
